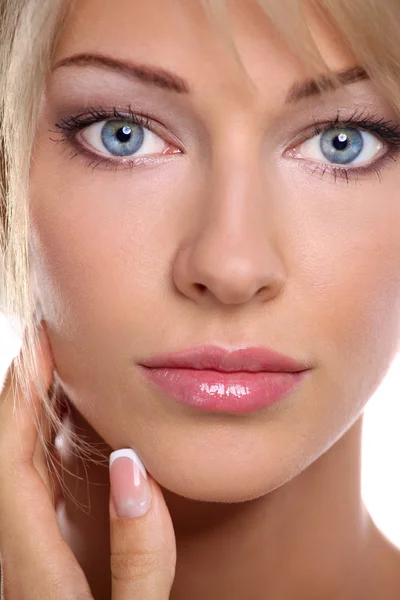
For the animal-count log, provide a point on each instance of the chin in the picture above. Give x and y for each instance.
(239, 483)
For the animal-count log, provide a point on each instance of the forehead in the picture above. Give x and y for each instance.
(183, 37)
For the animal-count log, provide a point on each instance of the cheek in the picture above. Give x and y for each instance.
(94, 234)
(359, 295)
(101, 244)
(348, 286)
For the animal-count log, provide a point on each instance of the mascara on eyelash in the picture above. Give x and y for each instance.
(92, 115)
(387, 130)
(72, 124)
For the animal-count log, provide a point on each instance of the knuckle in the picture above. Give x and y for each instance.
(131, 566)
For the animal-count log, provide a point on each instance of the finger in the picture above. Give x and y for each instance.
(36, 561)
(14, 403)
(39, 458)
(143, 546)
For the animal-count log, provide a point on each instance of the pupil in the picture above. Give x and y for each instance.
(340, 141)
(124, 134)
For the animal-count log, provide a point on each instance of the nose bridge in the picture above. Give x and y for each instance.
(237, 206)
(233, 255)
(239, 214)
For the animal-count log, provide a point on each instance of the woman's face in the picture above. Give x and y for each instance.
(224, 222)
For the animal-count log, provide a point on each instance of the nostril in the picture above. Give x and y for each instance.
(202, 288)
(262, 291)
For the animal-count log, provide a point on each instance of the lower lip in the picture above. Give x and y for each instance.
(239, 392)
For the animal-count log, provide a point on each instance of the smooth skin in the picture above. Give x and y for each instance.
(229, 238)
(36, 561)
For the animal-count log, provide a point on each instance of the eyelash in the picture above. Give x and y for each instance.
(69, 126)
(386, 130)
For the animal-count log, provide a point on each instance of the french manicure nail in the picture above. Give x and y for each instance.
(130, 487)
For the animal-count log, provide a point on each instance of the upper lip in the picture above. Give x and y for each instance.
(250, 358)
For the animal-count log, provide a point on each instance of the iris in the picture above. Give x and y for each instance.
(341, 146)
(122, 138)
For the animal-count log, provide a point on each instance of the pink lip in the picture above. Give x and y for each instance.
(214, 379)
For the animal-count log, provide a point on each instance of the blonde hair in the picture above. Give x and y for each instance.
(29, 31)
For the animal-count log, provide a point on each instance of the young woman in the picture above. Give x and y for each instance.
(201, 201)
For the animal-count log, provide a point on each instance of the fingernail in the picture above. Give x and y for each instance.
(130, 488)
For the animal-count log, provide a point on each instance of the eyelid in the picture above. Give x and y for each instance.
(385, 131)
(96, 128)
(371, 151)
(70, 124)
(316, 129)
(319, 128)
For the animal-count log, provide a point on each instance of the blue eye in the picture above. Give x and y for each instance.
(341, 146)
(122, 138)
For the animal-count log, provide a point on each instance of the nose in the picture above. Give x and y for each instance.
(230, 256)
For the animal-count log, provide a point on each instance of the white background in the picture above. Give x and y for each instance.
(381, 439)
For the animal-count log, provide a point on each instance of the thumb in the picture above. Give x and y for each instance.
(143, 546)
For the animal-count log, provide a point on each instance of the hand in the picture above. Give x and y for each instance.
(37, 563)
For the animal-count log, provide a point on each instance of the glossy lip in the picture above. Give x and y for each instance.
(251, 358)
(214, 379)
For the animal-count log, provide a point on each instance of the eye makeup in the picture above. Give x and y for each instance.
(385, 130)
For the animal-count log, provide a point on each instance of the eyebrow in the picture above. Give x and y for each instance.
(156, 76)
(159, 77)
(314, 87)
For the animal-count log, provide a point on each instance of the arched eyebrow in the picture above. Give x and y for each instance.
(148, 74)
(314, 87)
(166, 80)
